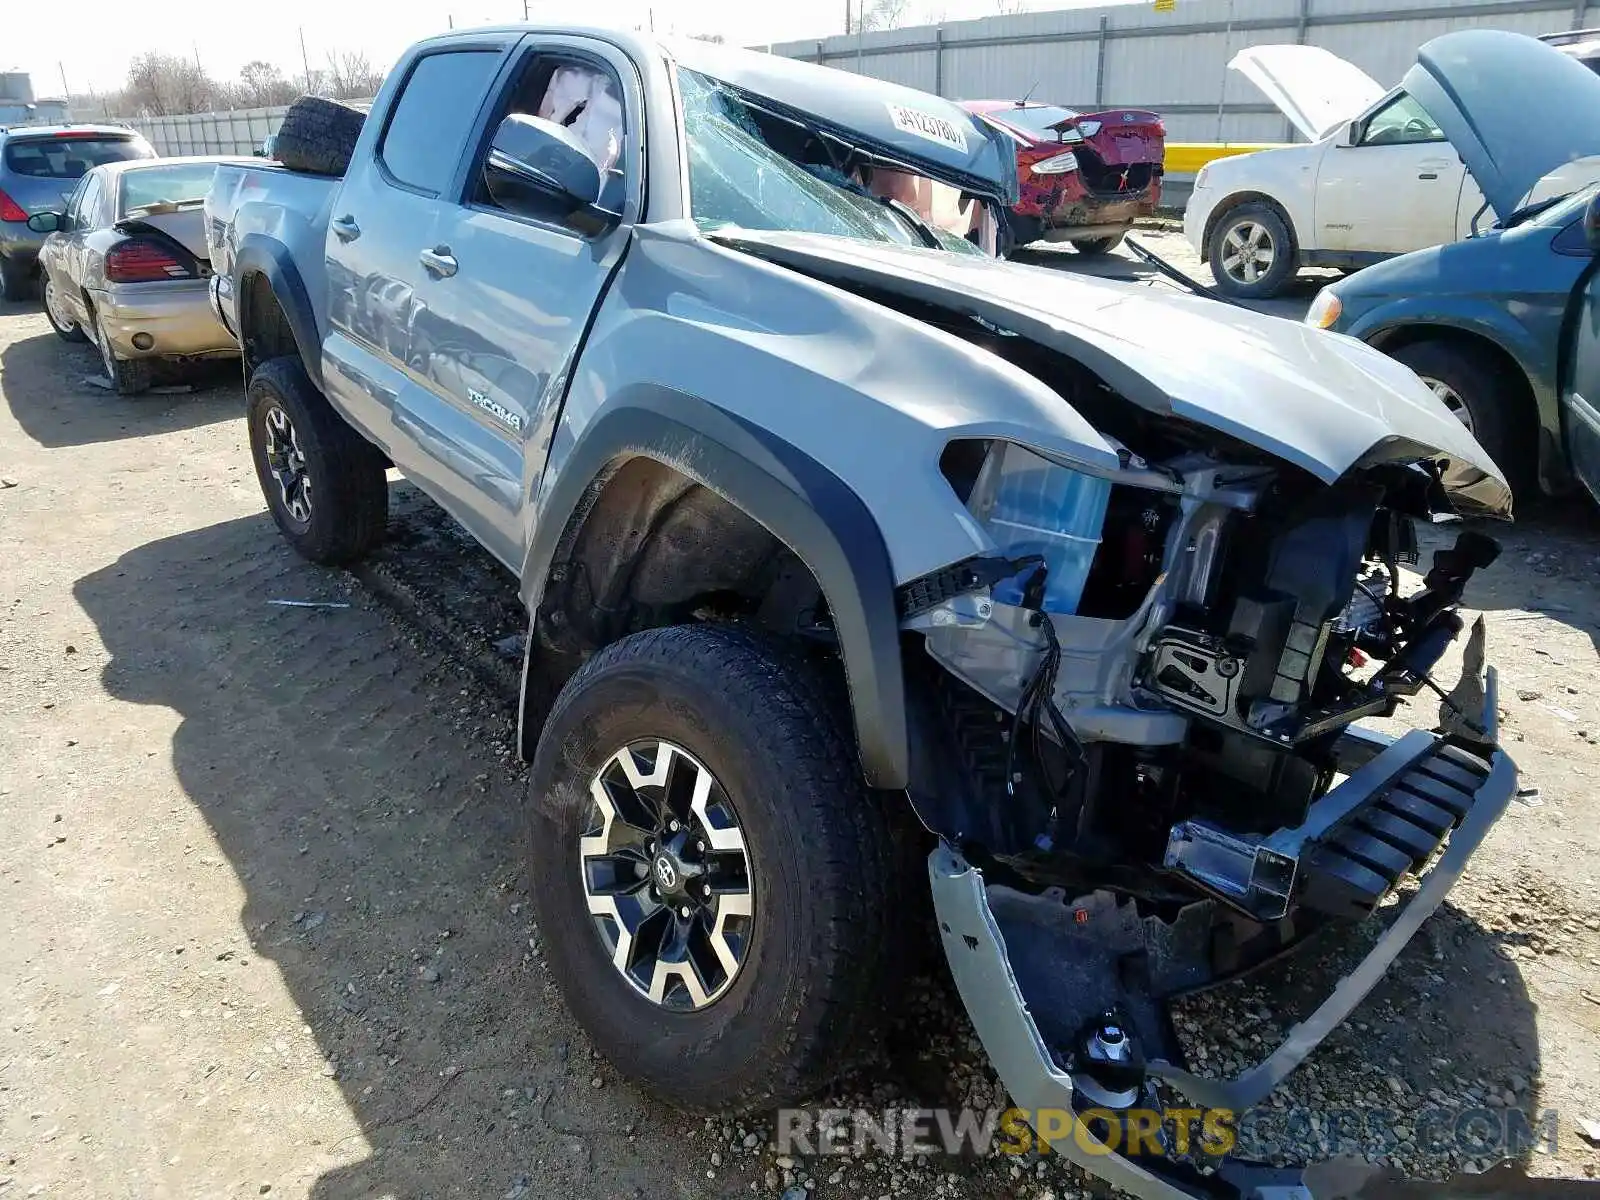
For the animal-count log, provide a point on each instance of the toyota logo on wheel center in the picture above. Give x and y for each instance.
(666, 873)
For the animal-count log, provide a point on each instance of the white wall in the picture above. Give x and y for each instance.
(1172, 62)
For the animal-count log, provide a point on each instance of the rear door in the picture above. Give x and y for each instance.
(1394, 189)
(499, 325)
(383, 217)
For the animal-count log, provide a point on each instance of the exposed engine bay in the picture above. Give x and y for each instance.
(1153, 688)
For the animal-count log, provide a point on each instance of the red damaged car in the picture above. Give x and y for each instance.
(1085, 177)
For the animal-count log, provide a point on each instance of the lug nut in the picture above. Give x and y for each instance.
(705, 889)
(684, 912)
(673, 826)
(700, 846)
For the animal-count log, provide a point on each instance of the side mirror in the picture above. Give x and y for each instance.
(45, 222)
(1591, 223)
(1349, 134)
(534, 164)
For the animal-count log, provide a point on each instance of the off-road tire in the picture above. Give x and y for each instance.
(349, 499)
(128, 376)
(16, 280)
(1097, 247)
(70, 331)
(1286, 253)
(1490, 399)
(822, 862)
(318, 135)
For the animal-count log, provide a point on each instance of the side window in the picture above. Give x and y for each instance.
(89, 204)
(585, 98)
(1401, 122)
(433, 116)
(75, 204)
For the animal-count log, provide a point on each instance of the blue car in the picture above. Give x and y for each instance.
(40, 166)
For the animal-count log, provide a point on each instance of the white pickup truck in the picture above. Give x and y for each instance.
(1382, 175)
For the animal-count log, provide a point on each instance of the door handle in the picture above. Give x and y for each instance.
(439, 262)
(345, 228)
(1428, 175)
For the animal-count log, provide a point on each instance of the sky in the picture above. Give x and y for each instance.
(95, 47)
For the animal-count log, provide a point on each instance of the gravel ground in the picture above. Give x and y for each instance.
(269, 930)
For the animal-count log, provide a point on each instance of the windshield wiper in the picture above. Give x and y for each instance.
(1529, 211)
(913, 218)
(1177, 276)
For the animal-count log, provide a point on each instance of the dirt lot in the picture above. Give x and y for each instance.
(267, 926)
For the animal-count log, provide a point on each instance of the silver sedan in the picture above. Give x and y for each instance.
(125, 267)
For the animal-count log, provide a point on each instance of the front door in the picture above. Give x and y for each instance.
(383, 219)
(1394, 188)
(57, 258)
(1580, 390)
(510, 292)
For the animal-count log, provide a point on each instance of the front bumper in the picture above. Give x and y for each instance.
(1195, 215)
(1039, 1081)
(177, 317)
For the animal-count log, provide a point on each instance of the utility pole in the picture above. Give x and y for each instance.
(66, 92)
(525, 10)
(847, 18)
(305, 59)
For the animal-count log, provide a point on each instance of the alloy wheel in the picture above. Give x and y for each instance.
(666, 875)
(57, 309)
(1452, 400)
(287, 465)
(1248, 251)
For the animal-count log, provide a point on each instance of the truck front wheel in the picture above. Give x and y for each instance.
(711, 878)
(324, 483)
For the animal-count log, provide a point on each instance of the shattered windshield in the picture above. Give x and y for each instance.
(751, 170)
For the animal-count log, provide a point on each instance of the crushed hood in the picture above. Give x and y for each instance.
(1514, 108)
(1315, 89)
(1323, 402)
(936, 137)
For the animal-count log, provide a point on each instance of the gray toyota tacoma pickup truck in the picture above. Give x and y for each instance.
(826, 519)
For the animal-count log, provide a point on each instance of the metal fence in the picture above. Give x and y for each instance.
(1174, 62)
(236, 132)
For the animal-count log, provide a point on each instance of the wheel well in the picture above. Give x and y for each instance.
(264, 330)
(1526, 426)
(647, 547)
(1234, 201)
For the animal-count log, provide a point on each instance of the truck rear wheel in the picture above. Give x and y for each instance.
(325, 484)
(318, 135)
(713, 881)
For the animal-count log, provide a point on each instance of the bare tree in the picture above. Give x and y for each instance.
(882, 14)
(1010, 8)
(164, 84)
(261, 85)
(351, 76)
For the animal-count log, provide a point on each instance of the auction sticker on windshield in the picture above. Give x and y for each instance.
(926, 125)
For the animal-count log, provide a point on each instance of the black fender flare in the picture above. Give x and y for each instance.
(261, 255)
(803, 504)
